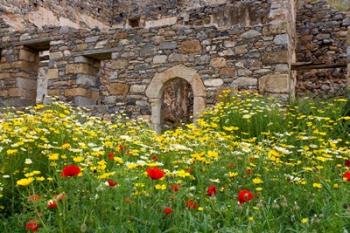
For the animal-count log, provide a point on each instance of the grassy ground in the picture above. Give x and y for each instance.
(251, 164)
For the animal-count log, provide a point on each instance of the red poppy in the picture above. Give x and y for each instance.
(346, 176)
(347, 163)
(111, 155)
(167, 210)
(155, 173)
(70, 170)
(120, 148)
(191, 204)
(51, 204)
(154, 158)
(175, 187)
(244, 196)
(111, 183)
(32, 226)
(211, 191)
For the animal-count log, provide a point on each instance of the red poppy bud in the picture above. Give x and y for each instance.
(175, 187)
(155, 173)
(111, 183)
(211, 191)
(32, 226)
(244, 196)
(111, 155)
(191, 204)
(51, 204)
(167, 210)
(346, 176)
(347, 163)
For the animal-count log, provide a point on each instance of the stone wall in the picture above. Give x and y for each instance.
(111, 71)
(348, 55)
(322, 34)
(21, 14)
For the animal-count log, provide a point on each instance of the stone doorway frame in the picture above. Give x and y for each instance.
(155, 90)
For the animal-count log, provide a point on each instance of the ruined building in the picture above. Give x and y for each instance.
(167, 60)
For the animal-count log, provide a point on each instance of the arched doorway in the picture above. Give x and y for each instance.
(160, 81)
(177, 103)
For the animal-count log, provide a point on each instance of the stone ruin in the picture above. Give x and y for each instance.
(167, 60)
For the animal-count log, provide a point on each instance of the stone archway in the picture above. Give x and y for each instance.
(155, 92)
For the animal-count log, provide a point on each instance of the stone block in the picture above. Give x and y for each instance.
(228, 71)
(274, 83)
(175, 57)
(5, 75)
(19, 92)
(26, 55)
(191, 46)
(161, 22)
(245, 82)
(282, 39)
(214, 82)
(56, 55)
(137, 88)
(84, 101)
(168, 45)
(80, 69)
(118, 88)
(86, 80)
(77, 92)
(159, 59)
(53, 92)
(241, 49)
(121, 35)
(4, 93)
(27, 84)
(250, 34)
(218, 62)
(278, 57)
(52, 74)
(120, 64)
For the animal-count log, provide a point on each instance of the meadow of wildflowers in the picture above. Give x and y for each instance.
(250, 164)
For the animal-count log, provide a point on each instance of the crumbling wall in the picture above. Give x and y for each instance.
(110, 71)
(21, 14)
(322, 32)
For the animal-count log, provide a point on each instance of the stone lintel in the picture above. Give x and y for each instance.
(97, 54)
(37, 44)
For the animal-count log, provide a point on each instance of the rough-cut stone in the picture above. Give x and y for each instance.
(118, 88)
(228, 71)
(278, 57)
(168, 45)
(250, 34)
(77, 92)
(159, 59)
(244, 82)
(161, 22)
(52, 73)
(275, 83)
(281, 39)
(218, 62)
(214, 82)
(80, 69)
(120, 64)
(175, 57)
(191, 46)
(137, 88)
